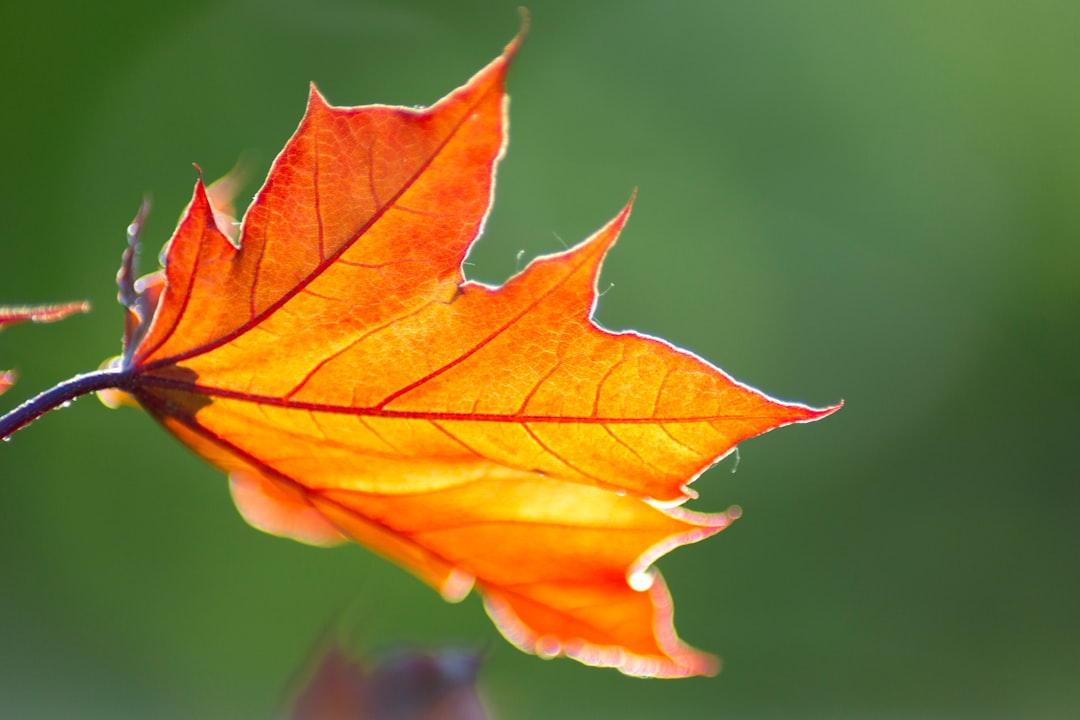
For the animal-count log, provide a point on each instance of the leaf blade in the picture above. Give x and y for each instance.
(353, 385)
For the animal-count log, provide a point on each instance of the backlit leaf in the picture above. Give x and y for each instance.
(334, 361)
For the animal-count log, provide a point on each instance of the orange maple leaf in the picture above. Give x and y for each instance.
(11, 314)
(337, 365)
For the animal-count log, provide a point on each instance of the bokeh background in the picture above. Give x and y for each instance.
(875, 202)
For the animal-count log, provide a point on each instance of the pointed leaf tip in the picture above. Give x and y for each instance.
(514, 45)
(315, 99)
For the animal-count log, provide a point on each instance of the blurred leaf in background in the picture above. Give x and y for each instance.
(11, 314)
(867, 201)
(407, 685)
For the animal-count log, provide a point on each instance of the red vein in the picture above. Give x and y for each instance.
(422, 213)
(536, 387)
(634, 452)
(318, 197)
(459, 441)
(660, 389)
(676, 440)
(560, 458)
(371, 174)
(190, 423)
(377, 434)
(328, 298)
(333, 356)
(319, 269)
(257, 270)
(486, 458)
(315, 421)
(484, 342)
(376, 411)
(187, 290)
(600, 385)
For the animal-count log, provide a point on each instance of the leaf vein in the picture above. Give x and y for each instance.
(560, 458)
(322, 363)
(273, 307)
(487, 340)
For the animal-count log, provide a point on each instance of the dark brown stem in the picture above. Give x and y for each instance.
(60, 395)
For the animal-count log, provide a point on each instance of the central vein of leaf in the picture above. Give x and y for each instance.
(378, 411)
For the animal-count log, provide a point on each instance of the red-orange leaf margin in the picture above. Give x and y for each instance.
(334, 361)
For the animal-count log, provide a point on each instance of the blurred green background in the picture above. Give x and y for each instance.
(875, 202)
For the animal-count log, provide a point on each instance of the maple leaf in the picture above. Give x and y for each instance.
(334, 361)
(9, 315)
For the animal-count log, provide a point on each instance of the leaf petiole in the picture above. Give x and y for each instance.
(59, 395)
